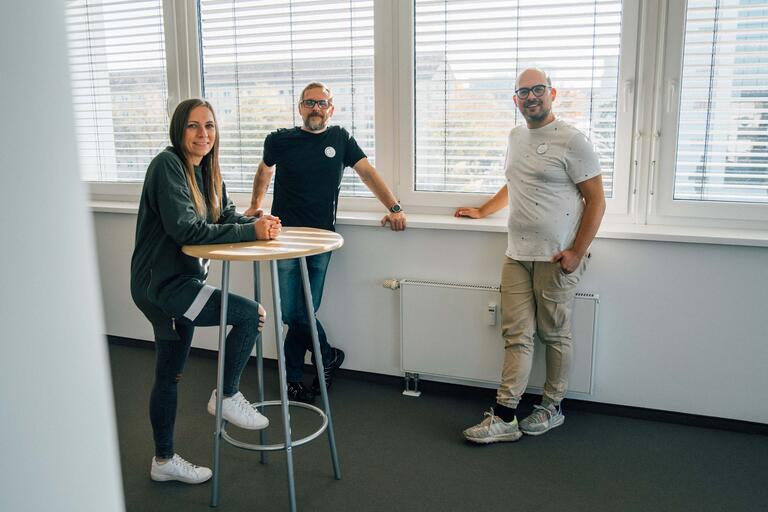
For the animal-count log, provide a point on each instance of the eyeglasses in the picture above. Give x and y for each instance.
(321, 104)
(537, 90)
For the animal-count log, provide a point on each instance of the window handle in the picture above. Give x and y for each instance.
(671, 93)
(170, 105)
(652, 177)
(635, 149)
(629, 86)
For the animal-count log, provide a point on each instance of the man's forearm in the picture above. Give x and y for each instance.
(499, 200)
(594, 208)
(590, 223)
(378, 186)
(260, 185)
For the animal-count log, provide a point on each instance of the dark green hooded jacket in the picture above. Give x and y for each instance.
(164, 280)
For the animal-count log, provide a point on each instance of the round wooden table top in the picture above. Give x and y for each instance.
(293, 242)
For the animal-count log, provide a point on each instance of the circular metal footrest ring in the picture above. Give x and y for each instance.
(279, 446)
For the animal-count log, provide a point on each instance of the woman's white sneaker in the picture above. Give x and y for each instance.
(180, 470)
(238, 411)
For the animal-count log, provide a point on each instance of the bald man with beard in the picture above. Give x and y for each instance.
(556, 202)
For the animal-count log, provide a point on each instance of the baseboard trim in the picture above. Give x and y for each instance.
(487, 395)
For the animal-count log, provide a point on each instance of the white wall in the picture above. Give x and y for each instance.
(58, 437)
(681, 325)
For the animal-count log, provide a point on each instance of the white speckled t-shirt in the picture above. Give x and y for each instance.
(543, 166)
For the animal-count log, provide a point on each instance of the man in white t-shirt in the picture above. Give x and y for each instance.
(555, 195)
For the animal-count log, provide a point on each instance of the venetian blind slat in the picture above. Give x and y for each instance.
(117, 62)
(467, 56)
(722, 146)
(257, 57)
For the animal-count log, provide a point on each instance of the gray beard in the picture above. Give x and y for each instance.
(312, 125)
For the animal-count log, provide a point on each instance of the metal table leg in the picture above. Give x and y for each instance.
(259, 356)
(283, 383)
(219, 433)
(319, 364)
(220, 381)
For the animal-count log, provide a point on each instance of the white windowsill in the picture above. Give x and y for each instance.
(498, 224)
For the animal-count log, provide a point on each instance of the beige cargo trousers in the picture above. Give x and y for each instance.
(536, 298)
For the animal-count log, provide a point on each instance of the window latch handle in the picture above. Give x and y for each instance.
(671, 92)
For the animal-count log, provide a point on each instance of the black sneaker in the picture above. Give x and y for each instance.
(298, 392)
(337, 358)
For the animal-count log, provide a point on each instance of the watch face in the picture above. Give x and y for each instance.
(396, 208)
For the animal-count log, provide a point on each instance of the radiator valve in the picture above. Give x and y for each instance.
(392, 284)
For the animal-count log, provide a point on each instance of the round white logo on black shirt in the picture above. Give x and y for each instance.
(330, 152)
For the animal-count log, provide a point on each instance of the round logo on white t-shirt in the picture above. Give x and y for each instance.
(542, 148)
(330, 152)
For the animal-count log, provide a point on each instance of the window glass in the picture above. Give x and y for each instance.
(258, 56)
(722, 146)
(117, 61)
(467, 56)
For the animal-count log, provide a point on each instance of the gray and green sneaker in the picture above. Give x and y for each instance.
(542, 419)
(493, 430)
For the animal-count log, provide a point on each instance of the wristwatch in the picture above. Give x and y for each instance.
(396, 208)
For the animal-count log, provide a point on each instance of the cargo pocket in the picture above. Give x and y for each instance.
(554, 312)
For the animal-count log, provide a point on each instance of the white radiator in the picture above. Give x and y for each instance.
(453, 332)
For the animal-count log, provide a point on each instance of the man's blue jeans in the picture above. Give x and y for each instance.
(294, 310)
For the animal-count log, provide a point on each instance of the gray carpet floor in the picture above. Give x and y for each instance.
(407, 454)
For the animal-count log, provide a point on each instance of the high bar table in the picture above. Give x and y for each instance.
(293, 243)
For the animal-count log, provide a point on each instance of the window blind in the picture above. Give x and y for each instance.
(117, 61)
(722, 149)
(467, 56)
(259, 55)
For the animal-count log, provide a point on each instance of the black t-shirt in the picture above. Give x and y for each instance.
(308, 175)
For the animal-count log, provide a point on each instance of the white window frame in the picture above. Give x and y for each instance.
(385, 36)
(650, 62)
(182, 76)
(617, 206)
(663, 209)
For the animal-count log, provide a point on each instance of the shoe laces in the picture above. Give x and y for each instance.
(489, 418)
(296, 388)
(183, 465)
(241, 403)
(542, 413)
(329, 369)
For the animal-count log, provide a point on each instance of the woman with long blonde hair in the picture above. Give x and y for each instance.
(185, 202)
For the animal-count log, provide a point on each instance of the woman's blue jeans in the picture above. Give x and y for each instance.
(294, 310)
(171, 355)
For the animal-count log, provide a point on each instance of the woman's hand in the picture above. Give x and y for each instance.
(268, 227)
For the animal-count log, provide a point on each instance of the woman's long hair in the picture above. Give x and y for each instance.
(209, 163)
